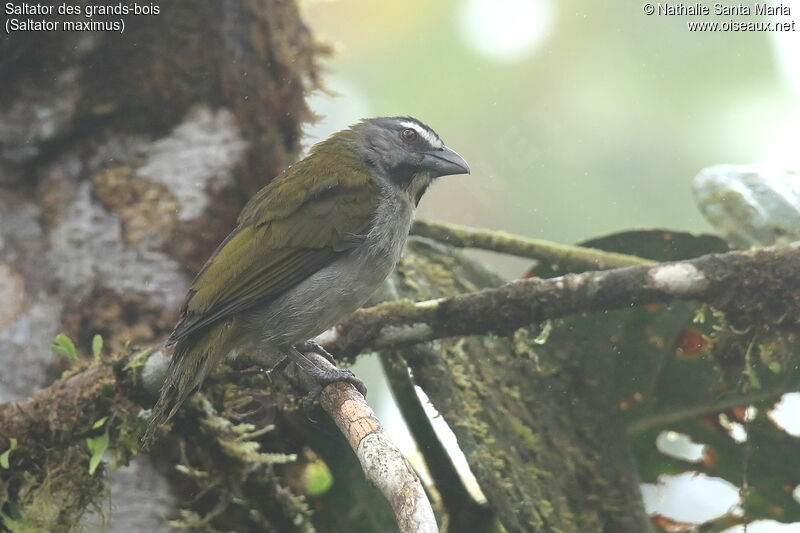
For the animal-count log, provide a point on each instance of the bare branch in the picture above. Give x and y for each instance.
(382, 462)
(465, 513)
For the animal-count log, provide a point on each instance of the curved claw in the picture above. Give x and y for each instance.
(348, 377)
(325, 378)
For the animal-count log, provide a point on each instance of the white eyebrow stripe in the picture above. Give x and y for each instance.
(425, 134)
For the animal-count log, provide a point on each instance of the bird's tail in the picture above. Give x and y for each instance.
(188, 367)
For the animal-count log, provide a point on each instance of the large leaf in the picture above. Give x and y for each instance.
(675, 367)
(655, 244)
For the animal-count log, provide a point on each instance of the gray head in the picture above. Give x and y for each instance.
(406, 152)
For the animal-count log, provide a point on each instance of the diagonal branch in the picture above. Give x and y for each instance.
(464, 512)
(571, 257)
(382, 462)
(759, 284)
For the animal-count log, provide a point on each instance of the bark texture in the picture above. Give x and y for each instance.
(124, 160)
(752, 287)
(543, 440)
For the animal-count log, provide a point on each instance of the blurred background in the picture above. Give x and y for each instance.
(577, 118)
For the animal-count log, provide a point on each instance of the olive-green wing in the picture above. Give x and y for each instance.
(271, 250)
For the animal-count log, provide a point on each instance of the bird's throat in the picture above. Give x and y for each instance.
(417, 187)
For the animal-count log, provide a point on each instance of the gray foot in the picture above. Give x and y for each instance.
(321, 378)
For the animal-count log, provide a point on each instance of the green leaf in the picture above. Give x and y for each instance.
(97, 346)
(654, 244)
(99, 422)
(64, 346)
(7, 453)
(59, 350)
(97, 446)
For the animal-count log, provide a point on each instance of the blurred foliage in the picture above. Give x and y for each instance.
(601, 127)
(679, 367)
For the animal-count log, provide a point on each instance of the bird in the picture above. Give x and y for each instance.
(307, 250)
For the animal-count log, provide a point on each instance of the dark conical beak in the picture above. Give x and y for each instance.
(444, 162)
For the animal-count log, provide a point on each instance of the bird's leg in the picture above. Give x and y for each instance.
(277, 367)
(264, 360)
(320, 378)
(315, 347)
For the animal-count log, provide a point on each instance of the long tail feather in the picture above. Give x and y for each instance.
(187, 369)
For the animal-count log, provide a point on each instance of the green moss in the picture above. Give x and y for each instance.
(508, 402)
(525, 434)
(56, 496)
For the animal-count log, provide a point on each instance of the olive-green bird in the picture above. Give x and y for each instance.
(308, 249)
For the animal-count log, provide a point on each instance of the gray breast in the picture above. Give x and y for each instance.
(335, 291)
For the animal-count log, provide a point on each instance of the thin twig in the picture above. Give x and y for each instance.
(577, 258)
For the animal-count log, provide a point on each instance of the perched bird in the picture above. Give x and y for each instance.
(308, 249)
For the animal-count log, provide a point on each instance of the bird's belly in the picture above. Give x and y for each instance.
(320, 301)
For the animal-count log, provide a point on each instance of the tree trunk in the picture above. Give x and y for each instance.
(124, 160)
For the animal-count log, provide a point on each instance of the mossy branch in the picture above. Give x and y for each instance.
(571, 257)
(760, 285)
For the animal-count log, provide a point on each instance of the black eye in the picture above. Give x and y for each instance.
(409, 135)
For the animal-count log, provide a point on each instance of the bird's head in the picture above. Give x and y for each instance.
(405, 152)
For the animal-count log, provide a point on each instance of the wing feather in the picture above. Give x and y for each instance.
(271, 250)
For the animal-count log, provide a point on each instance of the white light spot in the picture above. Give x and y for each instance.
(690, 497)
(328, 336)
(784, 414)
(506, 30)
(429, 304)
(679, 446)
(766, 526)
(677, 279)
(735, 429)
(449, 441)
